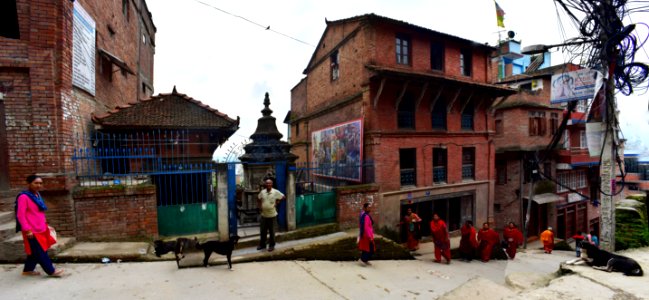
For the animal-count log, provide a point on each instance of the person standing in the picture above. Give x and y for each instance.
(31, 222)
(442, 243)
(594, 239)
(411, 222)
(514, 238)
(366, 235)
(547, 237)
(468, 242)
(488, 239)
(579, 238)
(267, 200)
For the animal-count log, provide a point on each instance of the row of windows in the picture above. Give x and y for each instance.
(408, 165)
(406, 115)
(537, 124)
(403, 49)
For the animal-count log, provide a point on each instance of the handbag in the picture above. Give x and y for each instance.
(52, 232)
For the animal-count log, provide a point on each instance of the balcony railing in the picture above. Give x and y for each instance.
(408, 177)
(439, 174)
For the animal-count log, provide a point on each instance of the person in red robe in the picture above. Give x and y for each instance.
(514, 238)
(468, 242)
(488, 238)
(411, 223)
(442, 243)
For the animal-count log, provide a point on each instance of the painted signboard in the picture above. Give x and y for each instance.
(83, 49)
(338, 150)
(576, 85)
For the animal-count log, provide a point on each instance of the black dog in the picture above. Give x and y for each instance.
(607, 261)
(223, 248)
(178, 247)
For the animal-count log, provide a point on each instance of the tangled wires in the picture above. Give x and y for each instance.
(610, 40)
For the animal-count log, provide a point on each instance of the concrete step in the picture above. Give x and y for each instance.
(12, 249)
(7, 229)
(6, 216)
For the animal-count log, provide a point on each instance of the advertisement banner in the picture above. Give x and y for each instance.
(337, 150)
(83, 49)
(576, 85)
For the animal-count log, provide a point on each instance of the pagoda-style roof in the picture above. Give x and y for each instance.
(166, 111)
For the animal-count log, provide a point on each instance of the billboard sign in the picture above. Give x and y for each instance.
(83, 49)
(338, 150)
(575, 85)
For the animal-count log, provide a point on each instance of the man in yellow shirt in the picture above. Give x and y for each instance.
(267, 201)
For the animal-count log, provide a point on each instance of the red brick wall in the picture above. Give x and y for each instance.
(109, 214)
(350, 205)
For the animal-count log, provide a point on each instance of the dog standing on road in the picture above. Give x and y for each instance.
(607, 261)
(223, 248)
(178, 247)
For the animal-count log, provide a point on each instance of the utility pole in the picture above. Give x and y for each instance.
(609, 153)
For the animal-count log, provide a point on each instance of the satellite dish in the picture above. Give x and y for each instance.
(511, 34)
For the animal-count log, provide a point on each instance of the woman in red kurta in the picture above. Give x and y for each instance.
(468, 243)
(30, 220)
(488, 238)
(366, 235)
(514, 238)
(411, 222)
(439, 232)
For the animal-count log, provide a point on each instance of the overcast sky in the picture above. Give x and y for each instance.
(214, 52)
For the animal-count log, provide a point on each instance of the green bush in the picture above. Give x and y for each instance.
(630, 230)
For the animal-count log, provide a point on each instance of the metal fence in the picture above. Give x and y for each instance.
(165, 158)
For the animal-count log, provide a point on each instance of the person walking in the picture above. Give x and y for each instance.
(439, 231)
(468, 242)
(267, 200)
(488, 239)
(411, 223)
(366, 235)
(514, 238)
(547, 237)
(31, 222)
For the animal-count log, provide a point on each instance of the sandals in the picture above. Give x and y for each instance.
(57, 274)
(31, 273)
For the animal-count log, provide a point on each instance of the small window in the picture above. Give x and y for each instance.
(125, 10)
(297, 129)
(9, 19)
(501, 171)
(408, 166)
(554, 123)
(335, 71)
(465, 62)
(537, 123)
(406, 113)
(438, 115)
(468, 163)
(500, 129)
(439, 165)
(403, 50)
(467, 117)
(437, 56)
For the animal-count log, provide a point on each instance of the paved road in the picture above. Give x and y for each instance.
(414, 279)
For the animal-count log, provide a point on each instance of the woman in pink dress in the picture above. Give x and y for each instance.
(30, 220)
(366, 235)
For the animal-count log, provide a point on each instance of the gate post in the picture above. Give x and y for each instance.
(222, 201)
(280, 177)
(290, 199)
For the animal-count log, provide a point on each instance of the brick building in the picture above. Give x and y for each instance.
(61, 61)
(525, 126)
(423, 98)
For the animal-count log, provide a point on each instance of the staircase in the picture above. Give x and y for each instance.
(11, 242)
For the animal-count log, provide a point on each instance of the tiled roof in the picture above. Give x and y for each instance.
(172, 110)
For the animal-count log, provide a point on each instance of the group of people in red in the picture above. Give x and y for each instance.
(472, 244)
